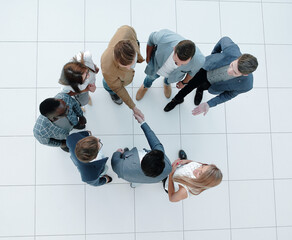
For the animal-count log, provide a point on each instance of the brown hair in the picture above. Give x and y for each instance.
(72, 72)
(124, 52)
(210, 178)
(247, 63)
(185, 49)
(87, 149)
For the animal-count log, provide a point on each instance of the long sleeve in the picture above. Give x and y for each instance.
(151, 138)
(223, 97)
(222, 44)
(117, 163)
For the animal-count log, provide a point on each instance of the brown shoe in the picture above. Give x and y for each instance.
(89, 101)
(167, 90)
(141, 92)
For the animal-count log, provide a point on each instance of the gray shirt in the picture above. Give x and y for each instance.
(218, 75)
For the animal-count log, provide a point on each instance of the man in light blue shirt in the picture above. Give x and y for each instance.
(171, 56)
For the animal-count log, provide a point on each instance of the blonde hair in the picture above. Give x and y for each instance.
(210, 178)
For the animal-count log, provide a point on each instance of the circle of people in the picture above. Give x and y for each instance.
(226, 72)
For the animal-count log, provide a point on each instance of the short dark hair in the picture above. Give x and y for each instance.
(87, 149)
(49, 106)
(153, 163)
(185, 49)
(247, 63)
(124, 52)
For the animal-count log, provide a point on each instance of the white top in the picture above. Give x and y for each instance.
(90, 80)
(184, 170)
(168, 67)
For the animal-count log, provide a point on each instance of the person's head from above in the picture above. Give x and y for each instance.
(75, 73)
(87, 148)
(125, 53)
(183, 52)
(153, 163)
(206, 176)
(243, 66)
(53, 108)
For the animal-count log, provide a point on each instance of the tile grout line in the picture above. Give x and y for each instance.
(226, 140)
(180, 133)
(133, 134)
(35, 144)
(270, 120)
(84, 40)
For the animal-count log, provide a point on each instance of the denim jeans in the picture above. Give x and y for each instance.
(106, 87)
(150, 79)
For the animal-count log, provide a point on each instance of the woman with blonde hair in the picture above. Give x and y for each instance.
(190, 178)
(78, 77)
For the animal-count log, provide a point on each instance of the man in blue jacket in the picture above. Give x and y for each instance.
(142, 166)
(226, 73)
(171, 56)
(86, 154)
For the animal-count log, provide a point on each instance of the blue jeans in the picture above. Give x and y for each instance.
(150, 79)
(106, 87)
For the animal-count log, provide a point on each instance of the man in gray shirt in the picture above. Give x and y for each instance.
(142, 166)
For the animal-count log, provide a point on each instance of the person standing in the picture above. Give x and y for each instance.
(142, 166)
(86, 154)
(171, 56)
(78, 77)
(117, 64)
(226, 73)
(58, 117)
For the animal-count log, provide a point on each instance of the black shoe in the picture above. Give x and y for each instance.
(79, 126)
(116, 99)
(66, 149)
(163, 182)
(108, 179)
(171, 105)
(198, 97)
(182, 154)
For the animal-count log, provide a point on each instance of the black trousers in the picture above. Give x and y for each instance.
(199, 81)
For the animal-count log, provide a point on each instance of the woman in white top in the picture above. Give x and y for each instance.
(189, 177)
(78, 77)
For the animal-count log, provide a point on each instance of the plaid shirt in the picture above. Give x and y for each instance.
(47, 132)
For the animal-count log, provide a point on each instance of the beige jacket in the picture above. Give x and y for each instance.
(115, 76)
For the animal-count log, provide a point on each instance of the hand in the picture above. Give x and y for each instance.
(90, 133)
(147, 59)
(96, 69)
(82, 120)
(138, 118)
(91, 87)
(174, 165)
(138, 113)
(202, 108)
(120, 150)
(179, 85)
(63, 145)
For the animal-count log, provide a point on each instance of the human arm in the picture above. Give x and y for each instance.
(181, 84)
(222, 45)
(151, 138)
(222, 97)
(149, 50)
(181, 193)
(117, 163)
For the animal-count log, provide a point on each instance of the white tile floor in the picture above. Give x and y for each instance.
(249, 138)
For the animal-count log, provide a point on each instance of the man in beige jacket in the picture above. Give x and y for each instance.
(117, 64)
